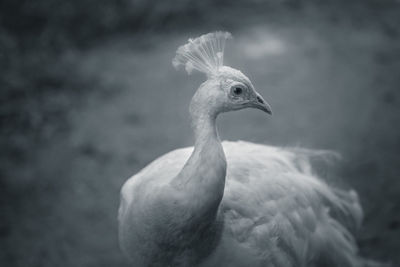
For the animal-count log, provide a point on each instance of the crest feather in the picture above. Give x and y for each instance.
(205, 53)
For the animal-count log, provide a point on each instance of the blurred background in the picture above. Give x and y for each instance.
(88, 96)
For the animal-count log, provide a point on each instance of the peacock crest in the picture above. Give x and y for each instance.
(204, 53)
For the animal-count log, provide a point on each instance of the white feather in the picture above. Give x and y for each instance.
(274, 212)
(204, 53)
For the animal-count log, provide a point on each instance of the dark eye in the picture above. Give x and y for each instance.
(237, 90)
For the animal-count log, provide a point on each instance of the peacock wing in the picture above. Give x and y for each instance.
(158, 173)
(278, 211)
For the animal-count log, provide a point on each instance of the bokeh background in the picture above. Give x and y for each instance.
(89, 97)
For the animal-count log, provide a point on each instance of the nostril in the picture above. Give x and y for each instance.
(259, 99)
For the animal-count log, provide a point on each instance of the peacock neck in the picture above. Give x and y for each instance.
(204, 129)
(203, 175)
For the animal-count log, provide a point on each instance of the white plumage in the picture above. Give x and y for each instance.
(235, 203)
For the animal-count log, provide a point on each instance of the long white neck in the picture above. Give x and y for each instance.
(203, 176)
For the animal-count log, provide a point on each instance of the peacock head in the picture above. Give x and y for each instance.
(226, 88)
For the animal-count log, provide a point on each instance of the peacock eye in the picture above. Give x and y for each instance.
(237, 90)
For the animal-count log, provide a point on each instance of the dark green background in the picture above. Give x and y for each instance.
(89, 97)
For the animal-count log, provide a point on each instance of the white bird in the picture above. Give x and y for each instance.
(234, 203)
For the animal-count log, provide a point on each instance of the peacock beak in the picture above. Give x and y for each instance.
(261, 104)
